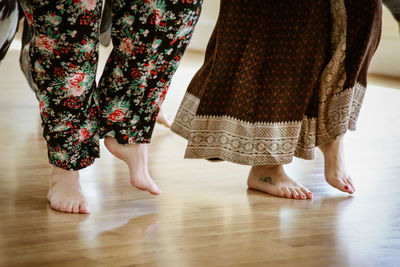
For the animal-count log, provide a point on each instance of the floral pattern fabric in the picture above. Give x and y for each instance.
(149, 39)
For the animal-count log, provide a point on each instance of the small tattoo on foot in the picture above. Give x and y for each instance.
(266, 180)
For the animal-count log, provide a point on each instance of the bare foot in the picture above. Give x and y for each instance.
(135, 156)
(274, 181)
(163, 119)
(335, 170)
(65, 193)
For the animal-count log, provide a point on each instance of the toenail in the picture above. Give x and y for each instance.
(346, 187)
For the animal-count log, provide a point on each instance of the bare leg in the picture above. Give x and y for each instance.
(135, 156)
(163, 119)
(335, 169)
(274, 181)
(65, 193)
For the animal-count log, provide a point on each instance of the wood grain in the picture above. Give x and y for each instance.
(206, 216)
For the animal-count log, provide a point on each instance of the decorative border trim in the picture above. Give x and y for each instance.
(238, 141)
(261, 143)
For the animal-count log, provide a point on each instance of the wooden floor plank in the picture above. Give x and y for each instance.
(206, 216)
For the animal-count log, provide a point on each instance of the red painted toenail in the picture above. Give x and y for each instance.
(346, 187)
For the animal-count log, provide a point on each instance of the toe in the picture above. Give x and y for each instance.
(84, 208)
(155, 190)
(75, 207)
(306, 192)
(287, 192)
(294, 193)
(280, 193)
(347, 187)
(63, 206)
(350, 183)
(55, 205)
(339, 184)
(69, 207)
(301, 194)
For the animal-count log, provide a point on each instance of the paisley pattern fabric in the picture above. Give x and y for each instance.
(149, 38)
(279, 78)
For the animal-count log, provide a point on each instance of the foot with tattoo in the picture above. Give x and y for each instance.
(273, 180)
(335, 170)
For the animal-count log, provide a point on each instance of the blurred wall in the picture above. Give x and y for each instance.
(387, 58)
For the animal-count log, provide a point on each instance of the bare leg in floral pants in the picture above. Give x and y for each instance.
(149, 38)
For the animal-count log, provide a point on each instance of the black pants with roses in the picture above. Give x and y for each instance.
(149, 39)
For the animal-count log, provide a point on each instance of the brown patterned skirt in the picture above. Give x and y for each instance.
(279, 79)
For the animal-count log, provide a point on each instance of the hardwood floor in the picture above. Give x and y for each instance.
(206, 216)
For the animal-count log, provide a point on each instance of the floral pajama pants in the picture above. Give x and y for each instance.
(149, 39)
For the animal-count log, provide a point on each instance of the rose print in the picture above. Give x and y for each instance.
(157, 16)
(29, 17)
(128, 20)
(44, 43)
(52, 18)
(127, 46)
(83, 134)
(141, 65)
(88, 5)
(76, 83)
(77, 79)
(117, 115)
